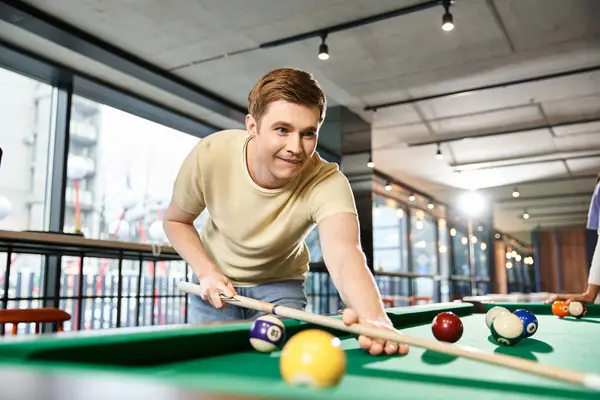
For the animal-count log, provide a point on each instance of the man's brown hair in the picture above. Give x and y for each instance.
(287, 84)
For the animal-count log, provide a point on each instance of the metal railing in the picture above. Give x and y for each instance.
(111, 284)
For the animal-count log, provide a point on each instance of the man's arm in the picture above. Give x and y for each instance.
(346, 263)
(179, 228)
(345, 260)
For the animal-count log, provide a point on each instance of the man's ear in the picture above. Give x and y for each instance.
(251, 125)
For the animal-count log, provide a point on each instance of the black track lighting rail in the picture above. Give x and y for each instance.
(354, 24)
(461, 92)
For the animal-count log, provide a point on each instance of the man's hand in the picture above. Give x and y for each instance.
(375, 346)
(589, 296)
(583, 297)
(212, 285)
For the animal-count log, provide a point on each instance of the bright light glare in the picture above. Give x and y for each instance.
(472, 203)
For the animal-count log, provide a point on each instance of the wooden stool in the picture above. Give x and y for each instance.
(387, 301)
(18, 316)
(412, 300)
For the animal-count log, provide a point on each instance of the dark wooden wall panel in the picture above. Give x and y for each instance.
(573, 260)
(500, 281)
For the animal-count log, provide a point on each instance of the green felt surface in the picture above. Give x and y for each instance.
(419, 375)
(218, 358)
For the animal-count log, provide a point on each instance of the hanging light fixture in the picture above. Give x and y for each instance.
(323, 48)
(447, 19)
(439, 154)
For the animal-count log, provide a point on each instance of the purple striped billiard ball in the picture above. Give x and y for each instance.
(267, 334)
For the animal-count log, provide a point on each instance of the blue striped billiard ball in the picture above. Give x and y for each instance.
(267, 334)
(530, 322)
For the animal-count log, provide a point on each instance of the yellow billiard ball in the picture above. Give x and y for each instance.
(313, 358)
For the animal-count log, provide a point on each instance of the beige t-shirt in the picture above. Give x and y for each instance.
(256, 235)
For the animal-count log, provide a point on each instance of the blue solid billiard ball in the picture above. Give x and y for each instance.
(267, 334)
(530, 322)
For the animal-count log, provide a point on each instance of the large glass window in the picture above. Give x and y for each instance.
(26, 108)
(121, 171)
(424, 246)
(424, 252)
(460, 247)
(25, 114)
(389, 236)
(480, 248)
(512, 276)
(444, 255)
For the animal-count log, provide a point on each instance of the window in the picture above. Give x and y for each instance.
(26, 117)
(460, 246)
(444, 255)
(121, 170)
(480, 248)
(389, 236)
(424, 246)
(25, 114)
(120, 173)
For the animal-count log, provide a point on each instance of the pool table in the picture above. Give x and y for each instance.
(216, 361)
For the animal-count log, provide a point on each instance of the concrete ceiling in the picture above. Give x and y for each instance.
(392, 60)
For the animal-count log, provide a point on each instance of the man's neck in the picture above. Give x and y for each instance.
(260, 175)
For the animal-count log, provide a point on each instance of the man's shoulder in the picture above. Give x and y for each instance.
(223, 140)
(321, 172)
(322, 168)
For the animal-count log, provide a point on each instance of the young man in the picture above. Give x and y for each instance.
(265, 188)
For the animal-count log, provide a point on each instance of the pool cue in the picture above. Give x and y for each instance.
(588, 380)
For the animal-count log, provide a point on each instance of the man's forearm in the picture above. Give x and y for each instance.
(592, 292)
(185, 240)
(356, 284)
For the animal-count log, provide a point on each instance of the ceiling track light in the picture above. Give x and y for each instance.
(370, 163)
(439, 154)
(515, 192)
(323, 48)
(447, 19)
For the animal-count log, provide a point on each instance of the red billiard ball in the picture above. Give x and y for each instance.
(447, 327)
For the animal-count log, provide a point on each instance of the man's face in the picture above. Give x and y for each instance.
(286, 138)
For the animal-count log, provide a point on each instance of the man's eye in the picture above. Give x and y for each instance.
(281, 130)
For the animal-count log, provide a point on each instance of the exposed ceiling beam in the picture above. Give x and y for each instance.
(505, 132)
(475, 89)
(557, 224)
(547, 180)
(545, 197)
(580, 203)
(498, 20)
(25, 17)
(557, 215)
(540, 158)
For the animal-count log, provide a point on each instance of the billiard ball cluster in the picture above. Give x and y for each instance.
(509, 328)
(311, 357)
(571, 307)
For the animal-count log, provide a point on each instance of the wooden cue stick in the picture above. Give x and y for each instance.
(588, 380)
